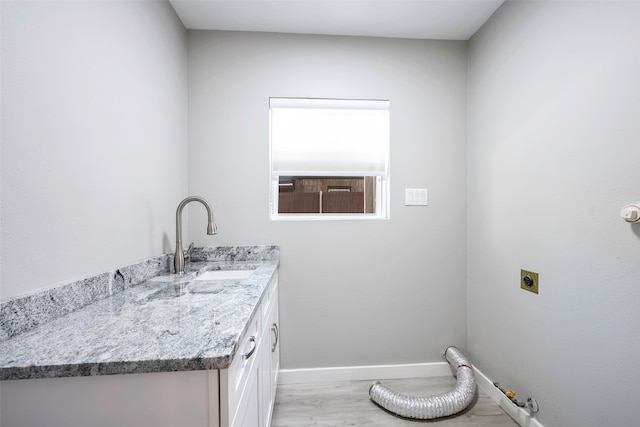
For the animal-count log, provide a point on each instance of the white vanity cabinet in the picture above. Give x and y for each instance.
(249, 395)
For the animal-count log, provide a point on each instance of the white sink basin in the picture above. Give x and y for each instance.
(224, 274)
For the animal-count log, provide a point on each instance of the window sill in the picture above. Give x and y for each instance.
(327, 217)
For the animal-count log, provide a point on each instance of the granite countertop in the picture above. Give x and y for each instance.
(166, 323)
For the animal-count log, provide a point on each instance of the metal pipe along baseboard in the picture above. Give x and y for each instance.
(436, 406)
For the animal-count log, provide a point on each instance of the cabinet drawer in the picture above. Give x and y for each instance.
(270, 295)
(242, 364)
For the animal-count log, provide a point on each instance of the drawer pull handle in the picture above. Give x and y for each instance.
(276, 334)
(252, 344)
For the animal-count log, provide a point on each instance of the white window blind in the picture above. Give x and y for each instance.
(328, 137)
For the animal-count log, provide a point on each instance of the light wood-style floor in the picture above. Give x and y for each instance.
(347, 404)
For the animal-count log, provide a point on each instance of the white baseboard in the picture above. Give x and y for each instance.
(354, 373)
(415, 370)
(520, 415)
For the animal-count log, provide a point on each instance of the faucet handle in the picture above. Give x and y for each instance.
(188, 251)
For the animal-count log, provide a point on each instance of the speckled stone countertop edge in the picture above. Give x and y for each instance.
(112, 368)
(211, 358)
(50, 351)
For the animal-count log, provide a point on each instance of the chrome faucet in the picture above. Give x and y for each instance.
(178, 261)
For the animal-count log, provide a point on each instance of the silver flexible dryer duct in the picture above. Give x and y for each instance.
(439, 405)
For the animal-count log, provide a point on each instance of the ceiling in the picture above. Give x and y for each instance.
(416, 19)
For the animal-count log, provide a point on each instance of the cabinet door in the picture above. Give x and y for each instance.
(270, 363)
(161, 399)
(265, 376)
(275, 349)
(249, 414)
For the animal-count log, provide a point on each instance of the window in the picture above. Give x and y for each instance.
(329, 158)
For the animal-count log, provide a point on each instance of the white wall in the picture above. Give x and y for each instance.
(94, 137)
(352, 292)
(553, 156)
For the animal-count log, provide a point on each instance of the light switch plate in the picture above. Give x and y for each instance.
(416, 196)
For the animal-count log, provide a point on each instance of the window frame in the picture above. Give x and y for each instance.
(382, 188)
